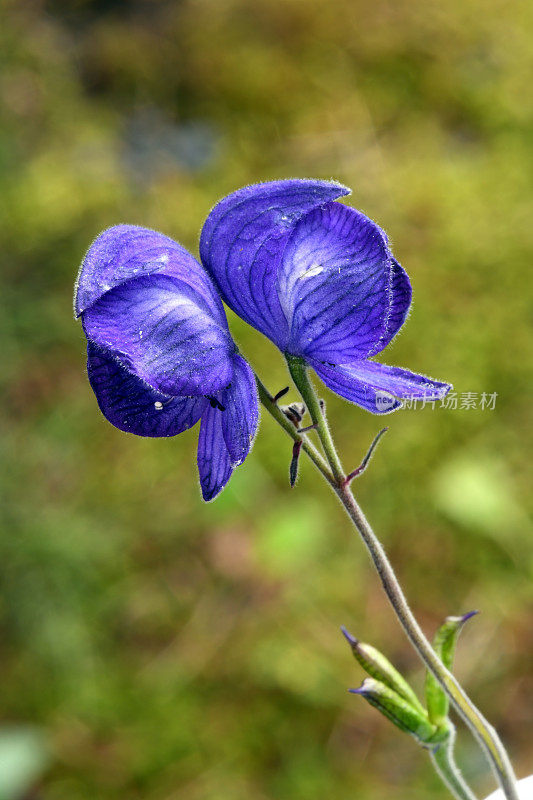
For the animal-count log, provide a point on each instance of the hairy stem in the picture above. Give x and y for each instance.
(444, 764)
(484, 733)
(275, 411)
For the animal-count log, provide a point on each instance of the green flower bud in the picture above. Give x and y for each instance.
(379, 667)
(399, 711)
(444, 645)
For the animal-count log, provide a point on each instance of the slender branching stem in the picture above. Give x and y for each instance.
(298, 371)
(443, 761)
(479, 726)
(309, 449)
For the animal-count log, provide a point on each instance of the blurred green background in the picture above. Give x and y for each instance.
(154, 647)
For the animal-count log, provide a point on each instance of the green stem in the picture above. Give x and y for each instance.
(444, 763)
(310, 450)
(298, 371)
(479, 726)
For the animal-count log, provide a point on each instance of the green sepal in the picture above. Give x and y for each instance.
(406, 717)
(442, 734)
(444, 645)
(379, 667)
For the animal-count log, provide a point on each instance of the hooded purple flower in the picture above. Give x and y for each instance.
(160, 355)
(319, 279)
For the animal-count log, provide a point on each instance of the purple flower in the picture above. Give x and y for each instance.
(160, 355)
(319, 279)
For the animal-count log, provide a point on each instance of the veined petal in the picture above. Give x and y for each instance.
(334, 284)
(241, 411)
(400, 302)
(347, 385)
(375, 386)
(214, 464)
(132, 406)
(129, 251)
(162, 331)
(242, 241)
(398, 381)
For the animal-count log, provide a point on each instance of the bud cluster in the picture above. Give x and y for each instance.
(388, 691)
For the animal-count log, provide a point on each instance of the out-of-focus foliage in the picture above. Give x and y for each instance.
(172, 650)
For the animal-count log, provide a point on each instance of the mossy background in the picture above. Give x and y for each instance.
(163, 649)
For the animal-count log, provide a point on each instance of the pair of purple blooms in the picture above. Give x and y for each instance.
(315, 276)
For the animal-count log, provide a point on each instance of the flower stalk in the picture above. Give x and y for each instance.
(484, 733)
(444, 764)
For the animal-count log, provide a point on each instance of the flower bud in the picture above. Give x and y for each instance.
(379, 667)
(444, 645)
(399, 711)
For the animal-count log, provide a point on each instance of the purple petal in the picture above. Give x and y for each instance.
(334, 283)
(214, 465)
(345, 384)
(128, 251)
(401, 294)
(400, 382)
(375, 386)
(134, 407)
(242, 241)
(163, 332)
(241, 414)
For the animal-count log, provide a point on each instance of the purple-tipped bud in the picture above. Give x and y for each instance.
(405, 716)
(352, 641)
(468, 616)
(379, 667)
(444, 644)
